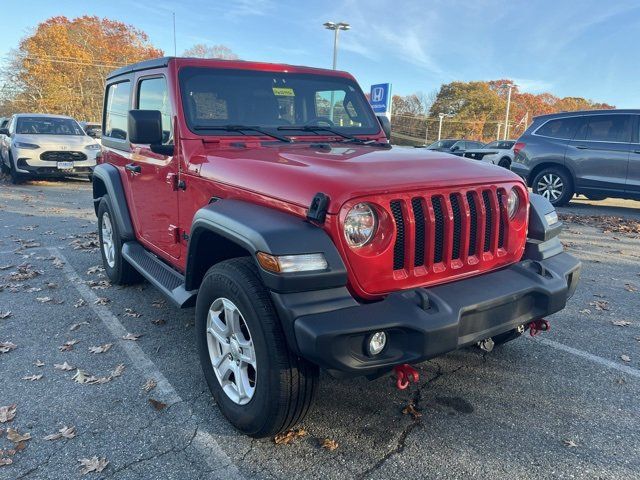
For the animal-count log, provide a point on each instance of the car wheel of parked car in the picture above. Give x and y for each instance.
(505, 163)
(119, 271)
(260, 386)
(554, 184)
(16, 178)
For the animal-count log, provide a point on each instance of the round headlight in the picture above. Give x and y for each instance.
(360, 225)
(513, 202)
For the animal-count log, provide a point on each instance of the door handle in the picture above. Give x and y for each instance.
(582, 147)
(133, 168)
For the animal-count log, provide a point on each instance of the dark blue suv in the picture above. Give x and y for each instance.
(595, 153)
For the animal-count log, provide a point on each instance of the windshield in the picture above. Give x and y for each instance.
(442, 144)
(268, 100)
(47, 126)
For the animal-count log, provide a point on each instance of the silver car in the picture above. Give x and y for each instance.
(499, 152)
(40, 145)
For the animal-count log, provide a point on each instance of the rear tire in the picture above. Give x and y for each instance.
(277, 390)
(505, 163)
(119, 271)
(555, 184)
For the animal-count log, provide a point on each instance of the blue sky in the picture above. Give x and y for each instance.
(584, 48)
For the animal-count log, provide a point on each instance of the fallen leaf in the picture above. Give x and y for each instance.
(80, 303)
(159, 303)
(621, 323)
(585, 311)
(101, 349)
(99, 285)
(39, 363)
(32, 378)
(68, 345)
(7, 413)
(5, 460)
(118, 371)
(129, 312)
(625, 358)
(15, 437)
(57, 263)
(101, 301)
(76, 326)
(149, 385)
(569, 443)
(52, 285)
(158, 321)
(64, 432)
(6, 347)
(411, 410)
(33, 289)
(95, 269)
(93, 464)
(157, 404)
(63, 366)
(43, 299)
(4, 315)
(600, 305)
(286, 438)
(81, 376)
(630, 287)
(132, 336)
(329, 444)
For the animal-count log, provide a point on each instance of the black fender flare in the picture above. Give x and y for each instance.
(106, 180)
(256, 228)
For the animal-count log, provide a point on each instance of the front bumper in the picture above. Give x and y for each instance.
(39, 168)
(426, 322)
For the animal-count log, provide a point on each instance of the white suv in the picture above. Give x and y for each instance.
(39, 145)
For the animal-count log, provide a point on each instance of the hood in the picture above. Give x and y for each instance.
(295, 173)
(56, 142)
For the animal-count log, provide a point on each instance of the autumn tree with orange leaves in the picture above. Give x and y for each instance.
(61, 68)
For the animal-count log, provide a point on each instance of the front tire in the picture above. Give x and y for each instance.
(260, 386)
(119, 271)
(16, 178)
(555, 185)
(505, 163)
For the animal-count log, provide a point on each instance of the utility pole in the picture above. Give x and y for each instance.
(336, 27)
(426, 131)
(498, 134)
(509, 87)
(441, 115)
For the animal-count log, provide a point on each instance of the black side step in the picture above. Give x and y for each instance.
(160, 275)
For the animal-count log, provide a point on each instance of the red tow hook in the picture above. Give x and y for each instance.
(405, 374)
(537, 326)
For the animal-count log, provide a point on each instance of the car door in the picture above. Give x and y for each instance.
(599, 152)
(633, 172)
(152, 176)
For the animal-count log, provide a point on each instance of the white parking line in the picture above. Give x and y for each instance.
(204, 442)
(589, 356)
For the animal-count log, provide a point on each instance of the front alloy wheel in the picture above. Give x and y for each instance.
(231, 350)
(107, 240)
(550, 186)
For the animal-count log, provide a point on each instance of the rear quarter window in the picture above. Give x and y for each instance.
(564, 128)
(606, 128)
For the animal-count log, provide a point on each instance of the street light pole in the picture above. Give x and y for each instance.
(499, 127)
(336, 27)
(441, 115)
(509, 87)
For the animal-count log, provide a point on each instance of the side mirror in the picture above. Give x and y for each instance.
(4, 131)
(386, 125)
(145, 127)
(455, 148)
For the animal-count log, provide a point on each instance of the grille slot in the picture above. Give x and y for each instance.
(473, 223)
(398, 247)
(488, 224)
(457, 225)
(500, 214)
(418, 215)
(438, 246)
(62, 156)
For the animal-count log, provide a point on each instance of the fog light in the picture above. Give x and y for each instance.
(377, 342)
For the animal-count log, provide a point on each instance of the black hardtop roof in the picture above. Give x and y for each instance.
(586, 112)
(136, 67)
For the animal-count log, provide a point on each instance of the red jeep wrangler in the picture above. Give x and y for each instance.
(269, 197)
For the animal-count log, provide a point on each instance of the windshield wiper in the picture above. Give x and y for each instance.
(241, 129)
(347, 138)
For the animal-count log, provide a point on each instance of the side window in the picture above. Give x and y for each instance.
(153, 94)
(564, 128)
(117, 110)
(608, 128)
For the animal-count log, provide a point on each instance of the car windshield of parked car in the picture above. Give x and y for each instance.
(500, 145)
(47, 126)
(442, 144)
(218, 98)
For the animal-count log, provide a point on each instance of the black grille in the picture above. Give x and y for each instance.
(501, 229)
(473, 223)
(488, 224)
(438, 230)
(57, 156)
(398, 247)
(418, 215)
(457, 225)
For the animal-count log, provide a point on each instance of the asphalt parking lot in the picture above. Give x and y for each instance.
(564, 405)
